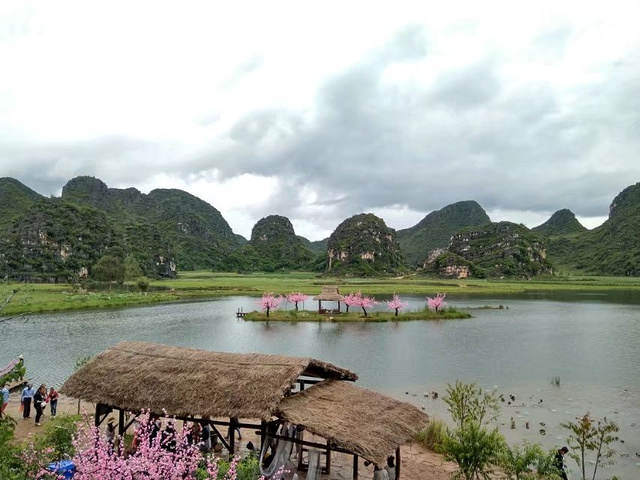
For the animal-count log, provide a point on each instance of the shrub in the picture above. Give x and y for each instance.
(433, 434)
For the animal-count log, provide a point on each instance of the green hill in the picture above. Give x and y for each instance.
(562, 222)
(15, 200)
(435, 230)
(275, 246)
(501, 249)
(364, 245)
(196, 233)
(613, 248)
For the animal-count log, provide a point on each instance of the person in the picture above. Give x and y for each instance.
(206, 436)
(559, 462)
(391, 467)
(39, 402)
(168, 441)
(26, 398)
(52, 398)
(110, 433)
(5, 399)
(380, 474)
(233, 427)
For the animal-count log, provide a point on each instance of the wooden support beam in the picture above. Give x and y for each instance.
(232, 436)
(221, 437)
(398, 463)
(328, 462)
(355, 467)
(121, 428)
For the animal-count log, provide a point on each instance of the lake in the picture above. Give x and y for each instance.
(590, 341)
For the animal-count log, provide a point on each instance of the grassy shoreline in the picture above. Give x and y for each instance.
(200, 285)
(310, 316)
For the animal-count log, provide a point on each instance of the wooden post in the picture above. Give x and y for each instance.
(319, 306)
(232, 436)
(121, 428)
(355, 467)
(398, 463)
(96, 419)
(263, 433)
(328, 458)
(338, 306)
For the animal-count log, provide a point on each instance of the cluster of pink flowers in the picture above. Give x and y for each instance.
(166, 455)
(437, 303)
(296, 297)
(269, 302)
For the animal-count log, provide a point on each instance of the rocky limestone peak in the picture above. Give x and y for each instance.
(561, 222)
(626, 202)
(363, 244)
(274, 228)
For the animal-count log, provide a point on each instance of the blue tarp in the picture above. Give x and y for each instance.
(66, 468)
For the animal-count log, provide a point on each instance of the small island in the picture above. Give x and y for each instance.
(314, 316)
(435, 309)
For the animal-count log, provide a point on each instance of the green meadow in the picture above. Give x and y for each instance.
(40, 298)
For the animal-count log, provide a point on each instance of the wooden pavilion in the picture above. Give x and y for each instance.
(329, 293)
(196, 385)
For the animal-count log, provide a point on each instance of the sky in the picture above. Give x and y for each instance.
(322, 110)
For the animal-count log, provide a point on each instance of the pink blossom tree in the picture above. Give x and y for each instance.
(296, 297)
(351, 300)
(364, 302)
(437, 303)
(269, 301)
(396, 304)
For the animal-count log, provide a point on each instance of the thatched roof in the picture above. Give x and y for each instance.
(358, 420)
(188, 382)
(329, 293)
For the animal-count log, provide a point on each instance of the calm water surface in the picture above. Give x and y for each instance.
(592, 342)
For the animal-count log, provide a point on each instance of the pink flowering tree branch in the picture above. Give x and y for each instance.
(296, 297)
(437, 303)
(396, 304)
(269, 301)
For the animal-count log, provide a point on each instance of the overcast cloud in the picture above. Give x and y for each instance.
(321, 112)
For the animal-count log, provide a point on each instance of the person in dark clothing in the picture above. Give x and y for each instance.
(559, 462)
(39, 402)
(169, 438)
(233, 427)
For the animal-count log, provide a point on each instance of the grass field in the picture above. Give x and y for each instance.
(39, 298)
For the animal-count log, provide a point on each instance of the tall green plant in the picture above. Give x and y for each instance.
(474, 448)
(528, 461)
(587, 435)
(467, 401)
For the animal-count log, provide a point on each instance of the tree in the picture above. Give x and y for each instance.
(363, 301)
(587, 435)
(131, 268)
(396, 304)
(296, 297)
(437, 303)
(474, 448)
(269, 301)
(109, 269)
(351, 300)
(468, 402)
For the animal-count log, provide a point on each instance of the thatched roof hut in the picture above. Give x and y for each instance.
(329, 293)
(193, 383)
(358, 420)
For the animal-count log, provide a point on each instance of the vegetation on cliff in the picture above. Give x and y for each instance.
(436, 229)
(364, 245)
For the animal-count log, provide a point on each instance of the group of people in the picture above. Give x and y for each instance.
(39, 399)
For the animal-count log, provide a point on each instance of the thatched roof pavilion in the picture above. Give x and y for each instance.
(329, 293)
(189, 382)
(197, 385)
(355, 419)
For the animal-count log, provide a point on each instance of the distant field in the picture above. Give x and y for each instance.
(38, 298)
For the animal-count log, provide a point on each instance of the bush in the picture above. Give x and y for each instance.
(474, 448)
(433, 434)
(57, 435)
(528, 462)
